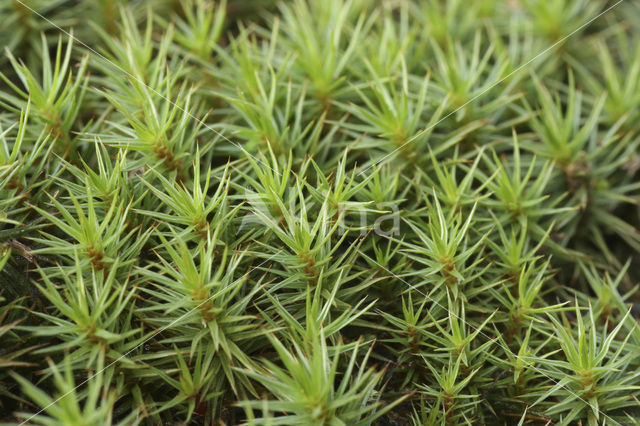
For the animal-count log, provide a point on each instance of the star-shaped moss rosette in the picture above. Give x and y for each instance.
(319, 212)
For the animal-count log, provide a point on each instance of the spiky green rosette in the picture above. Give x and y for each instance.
(336, 212)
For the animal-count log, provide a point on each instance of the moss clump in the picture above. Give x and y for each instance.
(319, 212)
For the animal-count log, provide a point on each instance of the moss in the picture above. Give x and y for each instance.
(194, 213)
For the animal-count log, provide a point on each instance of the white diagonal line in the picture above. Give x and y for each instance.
(139, 80)
(172, 323)
(473, 99)
(360, 173)
(481, 332)
(413, 138)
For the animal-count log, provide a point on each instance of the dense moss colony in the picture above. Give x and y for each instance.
(336, 212)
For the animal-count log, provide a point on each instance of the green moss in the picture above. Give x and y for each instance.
(319, 212)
